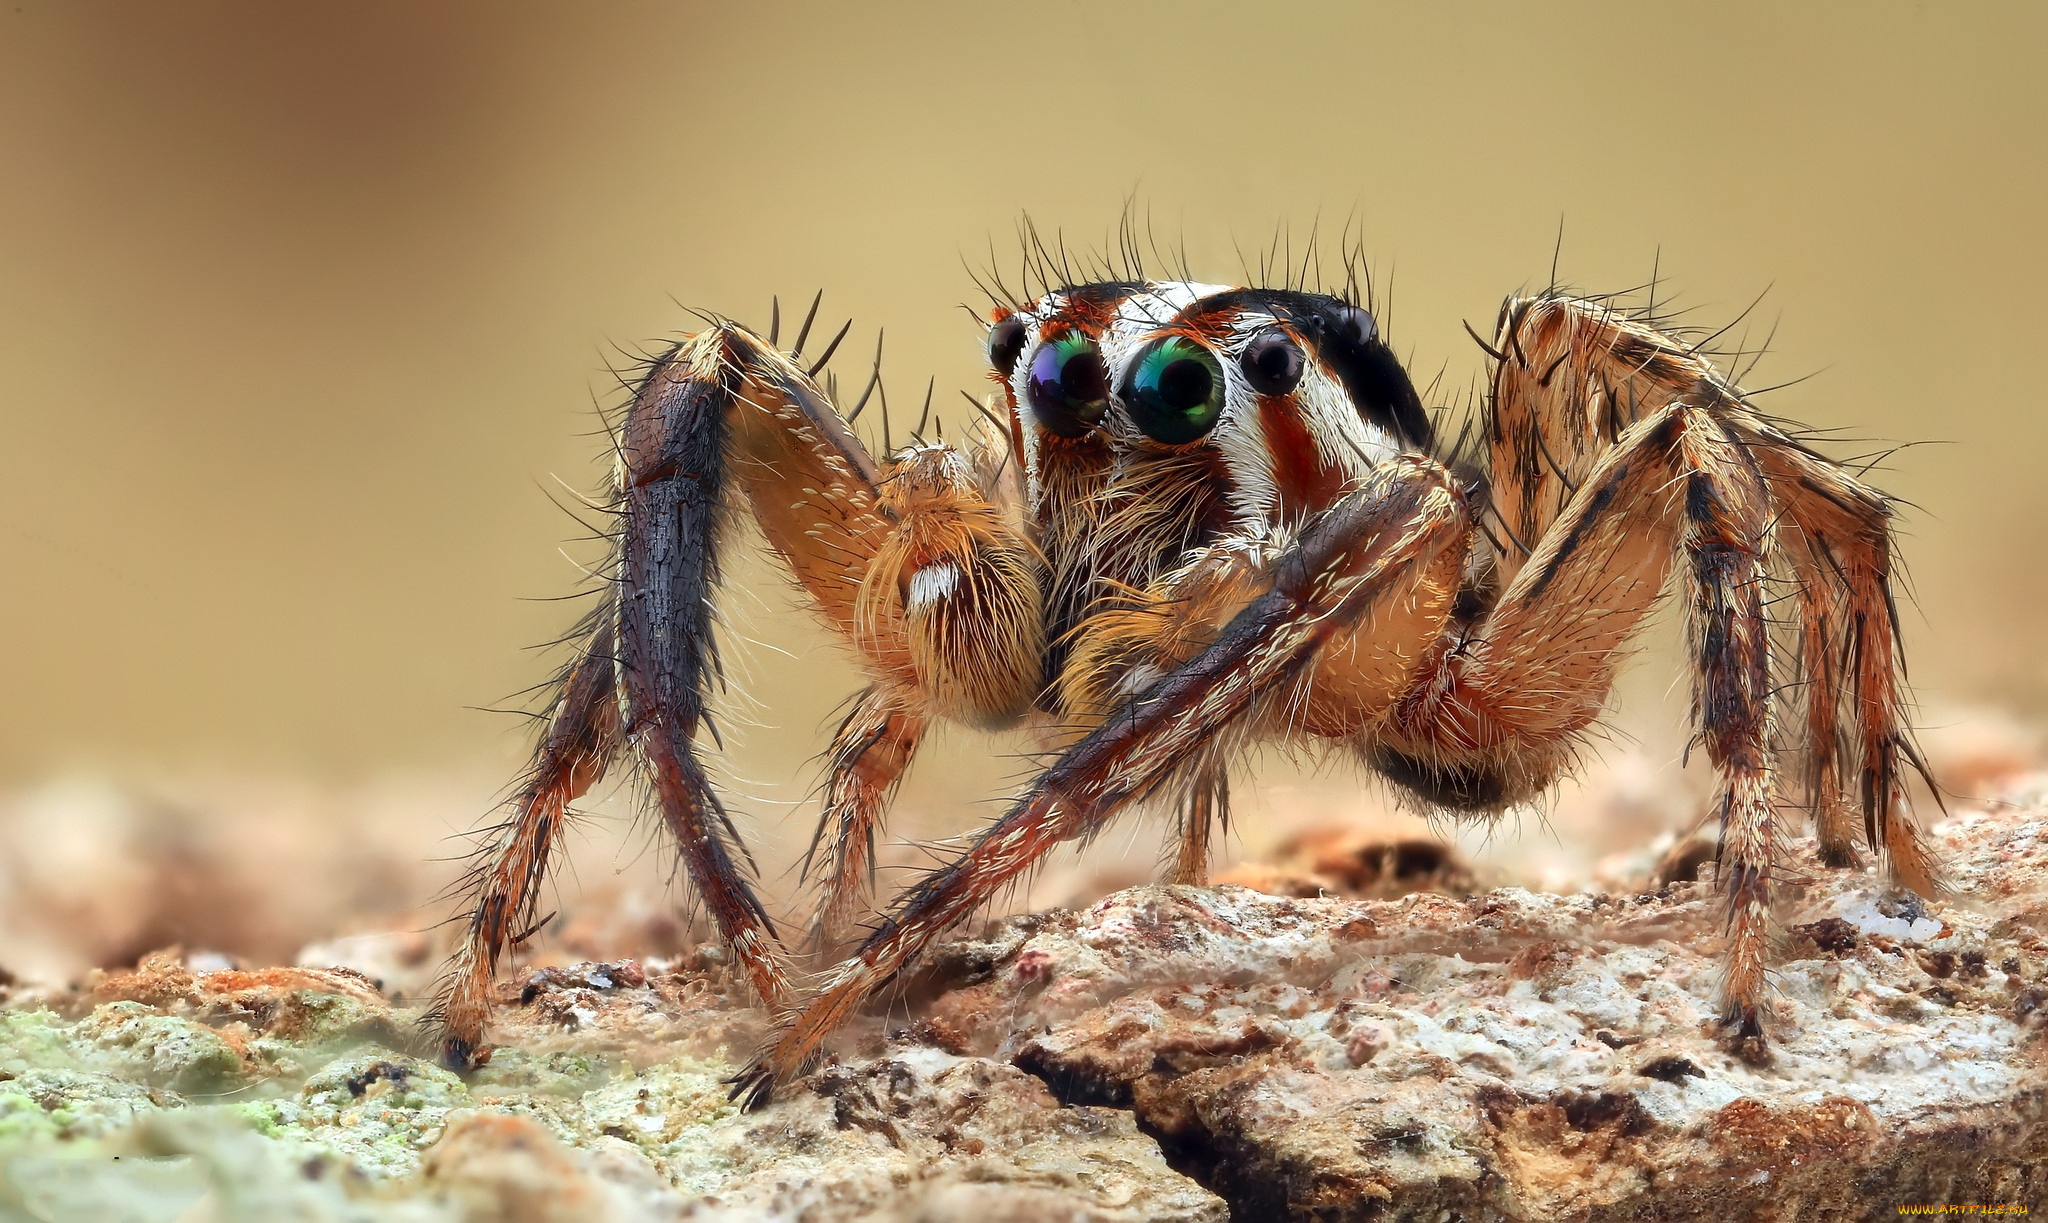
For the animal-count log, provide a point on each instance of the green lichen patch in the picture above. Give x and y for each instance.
(34, 1040)
(60, 1104)
(135, 1042)
(377, 1112)
(667, 1111)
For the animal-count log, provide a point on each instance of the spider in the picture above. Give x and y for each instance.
(1199, 517)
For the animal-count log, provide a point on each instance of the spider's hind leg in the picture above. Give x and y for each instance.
(1616, 450)
(1838, 532)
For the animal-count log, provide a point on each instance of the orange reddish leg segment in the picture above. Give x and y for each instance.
(1360, 556)
(580, 741)
(1846, 528)
(869, 754)
(1204, 811)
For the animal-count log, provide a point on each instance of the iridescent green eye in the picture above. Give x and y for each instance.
(1175, 391)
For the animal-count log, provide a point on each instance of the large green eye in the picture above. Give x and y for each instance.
(1175, 391)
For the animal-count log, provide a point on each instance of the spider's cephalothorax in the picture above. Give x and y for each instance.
(1227, 520)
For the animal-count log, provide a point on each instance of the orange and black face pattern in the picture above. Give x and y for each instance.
(1289, 394)
(1154, 417)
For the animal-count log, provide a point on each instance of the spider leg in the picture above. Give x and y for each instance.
(1203, 811)
(1615, 451)
(1575, 375)
(1850, 624)
(869, 754)
(581, 738)
(1361, 557)
(720, 414)
(727, 404)
(1501, 713)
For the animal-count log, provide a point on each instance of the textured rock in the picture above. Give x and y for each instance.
(1529, 1056)
(1338, 1051)
(607, 1100)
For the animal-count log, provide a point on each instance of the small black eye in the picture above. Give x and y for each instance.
(1006, 344)
(1353, 326)
(1272, 362)
(1069, 385)
(1175, 392)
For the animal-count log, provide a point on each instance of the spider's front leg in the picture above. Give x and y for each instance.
(725, 416)
(1367, 557)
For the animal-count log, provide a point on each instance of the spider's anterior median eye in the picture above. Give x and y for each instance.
(1272, 362)
(1069, 385)
(1006, 344)
(1175, 391)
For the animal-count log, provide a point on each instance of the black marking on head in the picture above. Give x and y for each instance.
(1347, 340)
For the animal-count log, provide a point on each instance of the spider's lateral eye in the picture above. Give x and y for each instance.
(1353, 326)
(1175, 391)
(1069, 385)
(1272, 362)
(1006, 344)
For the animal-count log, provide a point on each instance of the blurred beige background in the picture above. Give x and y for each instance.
(302, 307)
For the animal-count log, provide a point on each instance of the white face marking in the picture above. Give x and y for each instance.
(1340, 434)
(931, 584)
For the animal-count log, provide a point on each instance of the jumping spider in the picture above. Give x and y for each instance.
(1205, 517)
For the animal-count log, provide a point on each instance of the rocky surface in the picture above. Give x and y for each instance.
(1334, 1047)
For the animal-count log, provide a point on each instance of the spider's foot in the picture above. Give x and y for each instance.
(1743, 1032)
(463, 1056)
(754, 1086)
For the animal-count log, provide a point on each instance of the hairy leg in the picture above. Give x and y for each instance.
(1358, 558)
(721, 412)
(1844, 528)
(581, 738)
(868, 757)
(1204, 811)
(1572, 376)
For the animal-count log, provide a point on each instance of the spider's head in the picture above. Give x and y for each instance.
(1295, 392)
